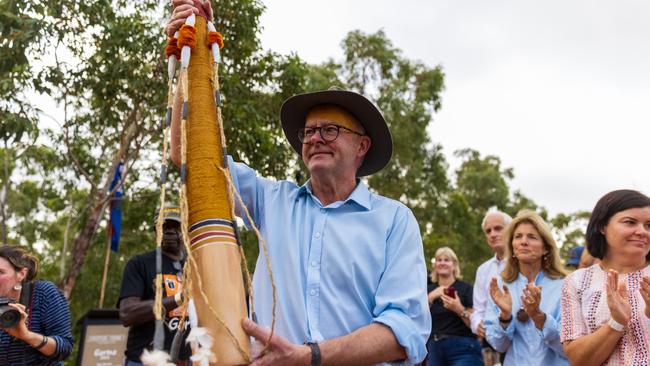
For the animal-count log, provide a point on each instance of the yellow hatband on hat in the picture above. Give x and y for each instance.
(335, 114)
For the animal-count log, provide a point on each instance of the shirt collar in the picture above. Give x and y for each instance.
(540, 276)
(361, 195)
(304, 189)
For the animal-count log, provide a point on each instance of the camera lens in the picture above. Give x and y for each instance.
(8, 316)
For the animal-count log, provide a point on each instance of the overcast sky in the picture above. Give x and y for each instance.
(559, 90)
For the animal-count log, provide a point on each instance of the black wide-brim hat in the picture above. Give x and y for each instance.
(294, 112)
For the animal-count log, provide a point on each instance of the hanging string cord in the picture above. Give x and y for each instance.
(157, 310)
(265, 249)
(191, 266)
(172, 55)
(188, 285)
(232, 192)
(231, 197)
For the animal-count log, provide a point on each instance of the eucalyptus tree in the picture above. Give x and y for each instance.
(106, 71)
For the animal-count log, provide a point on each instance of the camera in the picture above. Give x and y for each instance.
(8, 315)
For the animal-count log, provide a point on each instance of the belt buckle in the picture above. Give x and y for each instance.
(438, 337)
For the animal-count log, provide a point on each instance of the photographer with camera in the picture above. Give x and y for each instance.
(35, 324)
(450, 301)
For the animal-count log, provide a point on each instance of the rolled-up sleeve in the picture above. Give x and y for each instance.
(496, 336)
(401, 298)
(479, 298)
(57, 324)
(551, 334)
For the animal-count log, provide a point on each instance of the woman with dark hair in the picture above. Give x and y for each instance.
(523, 317)
(41, 333)
(606, 307)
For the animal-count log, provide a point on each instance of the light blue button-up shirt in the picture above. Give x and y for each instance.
(338, 267)
(523, 343)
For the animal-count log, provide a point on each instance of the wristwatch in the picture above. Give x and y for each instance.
(465, 314)
(616, 325)
(505, 322)
(315, 353)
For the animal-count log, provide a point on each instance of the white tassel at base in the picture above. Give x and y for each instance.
(201, 343)
(156, 358)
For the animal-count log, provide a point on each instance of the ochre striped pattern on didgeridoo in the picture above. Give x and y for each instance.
(216, 254)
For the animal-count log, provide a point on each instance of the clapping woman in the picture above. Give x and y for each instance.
(606, 307)
(523, 317)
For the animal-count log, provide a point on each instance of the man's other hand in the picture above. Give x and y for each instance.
(279, 351)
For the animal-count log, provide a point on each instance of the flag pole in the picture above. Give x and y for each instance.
(107, 256)
(113, 228)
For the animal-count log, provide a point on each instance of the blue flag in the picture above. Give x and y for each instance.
(115, 223)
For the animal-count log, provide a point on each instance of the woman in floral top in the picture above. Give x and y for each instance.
(606, 307)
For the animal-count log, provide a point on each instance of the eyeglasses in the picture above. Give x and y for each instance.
(327, 132)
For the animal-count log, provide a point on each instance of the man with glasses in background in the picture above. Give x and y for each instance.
(138, 291)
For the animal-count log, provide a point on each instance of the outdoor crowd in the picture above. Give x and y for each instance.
(528, 310)
(350, 274)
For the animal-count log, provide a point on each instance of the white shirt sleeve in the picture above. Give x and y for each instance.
(480, 296)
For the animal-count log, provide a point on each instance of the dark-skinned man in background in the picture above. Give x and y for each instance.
(138, 291)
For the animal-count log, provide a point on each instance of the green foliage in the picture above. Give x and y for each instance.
(109, 74)
(408, 93)
(19, 33)
(482, 180)
(480, 183)
(569, 229)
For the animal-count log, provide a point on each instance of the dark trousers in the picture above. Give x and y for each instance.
(455, 351)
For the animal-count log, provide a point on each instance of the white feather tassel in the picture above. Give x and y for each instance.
(201, 343)
(155, 358)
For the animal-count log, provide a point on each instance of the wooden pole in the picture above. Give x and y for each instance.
(107, 257)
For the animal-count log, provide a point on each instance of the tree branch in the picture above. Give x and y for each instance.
(74, 159)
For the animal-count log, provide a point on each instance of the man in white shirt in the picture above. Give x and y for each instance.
(493, 225)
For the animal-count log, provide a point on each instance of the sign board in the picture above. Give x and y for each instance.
(103, 339)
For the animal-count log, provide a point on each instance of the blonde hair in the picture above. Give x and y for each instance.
(551, 262)
(449, 253)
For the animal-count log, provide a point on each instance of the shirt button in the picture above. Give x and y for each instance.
(314, 264)
(312, 292)
(317, 235)
(322, 210)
